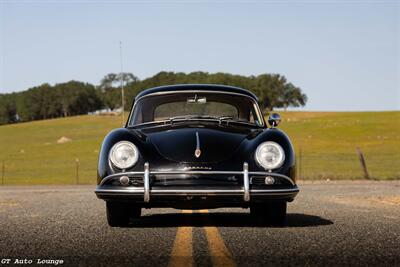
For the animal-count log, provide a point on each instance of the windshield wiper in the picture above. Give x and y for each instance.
(191, 117)
(228, 119)
(224, 118)
(147, 123)
(219, 119)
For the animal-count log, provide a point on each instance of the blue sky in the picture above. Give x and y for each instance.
(344, 55)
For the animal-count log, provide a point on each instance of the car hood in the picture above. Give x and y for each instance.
(215, 145)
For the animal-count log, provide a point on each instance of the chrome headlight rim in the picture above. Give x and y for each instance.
(269, 167)
(117, 145)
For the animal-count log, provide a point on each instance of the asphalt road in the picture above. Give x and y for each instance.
(329, 224)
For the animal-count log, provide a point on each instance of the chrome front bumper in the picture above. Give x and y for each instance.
(146, 191)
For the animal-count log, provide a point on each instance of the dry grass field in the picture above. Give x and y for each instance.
(327, 141)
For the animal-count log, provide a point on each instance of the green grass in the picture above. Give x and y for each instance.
(328, 143)
(32, 155)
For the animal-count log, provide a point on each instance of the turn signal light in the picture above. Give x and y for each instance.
(124, 180)
(269, 180)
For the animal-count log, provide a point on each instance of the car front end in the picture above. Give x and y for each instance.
(196, 161)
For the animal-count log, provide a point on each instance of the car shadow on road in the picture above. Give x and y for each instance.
(223, 219)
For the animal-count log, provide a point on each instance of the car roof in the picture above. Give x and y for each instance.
(200, 87)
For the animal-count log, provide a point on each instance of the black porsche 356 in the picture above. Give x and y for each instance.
(196, 147)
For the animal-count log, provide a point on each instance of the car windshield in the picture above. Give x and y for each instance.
(196, 106)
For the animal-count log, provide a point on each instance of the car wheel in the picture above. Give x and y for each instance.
(273, 213)
(135, 212)
(119, 214)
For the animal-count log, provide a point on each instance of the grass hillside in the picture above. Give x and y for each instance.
(327, 141)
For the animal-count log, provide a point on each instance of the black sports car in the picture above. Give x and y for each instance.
(196, 147)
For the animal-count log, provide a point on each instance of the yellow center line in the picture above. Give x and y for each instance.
(220, 255)
(181, 255)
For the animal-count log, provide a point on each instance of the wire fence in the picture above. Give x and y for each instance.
(72, 173)
(355, 165)
(310, 166)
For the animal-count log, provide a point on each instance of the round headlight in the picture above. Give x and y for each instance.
(270, 155)
(124, 155)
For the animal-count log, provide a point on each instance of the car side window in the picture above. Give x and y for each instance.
(251, 118)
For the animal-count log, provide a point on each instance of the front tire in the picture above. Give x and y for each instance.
(119, 214)
(273, 213)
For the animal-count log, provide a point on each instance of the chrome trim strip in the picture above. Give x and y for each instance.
(197, 152)
(146, 187)
(194, 91)
(180, 172)
(237, 192)
(246, 183)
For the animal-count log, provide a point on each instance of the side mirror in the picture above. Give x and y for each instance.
(274, 119)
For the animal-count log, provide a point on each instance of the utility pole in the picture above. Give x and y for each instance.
(122, 84)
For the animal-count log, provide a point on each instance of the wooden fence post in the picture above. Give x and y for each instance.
(300, 163)
(77, 170)
(3, 169)
(363, 163)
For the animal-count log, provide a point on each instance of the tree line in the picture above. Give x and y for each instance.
(76, 98)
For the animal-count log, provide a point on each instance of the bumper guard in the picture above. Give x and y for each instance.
(246, 182)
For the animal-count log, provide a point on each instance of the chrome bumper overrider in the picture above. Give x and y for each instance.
(147, 191)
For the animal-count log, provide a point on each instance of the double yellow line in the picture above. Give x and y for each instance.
(182, 251)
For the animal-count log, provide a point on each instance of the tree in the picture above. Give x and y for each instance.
(113, 80)
(274, 91)
(108, 81)
(110, 88)
(74, 97)
(291, 96)
(8, 112)
(267, 87)
(77, 98)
